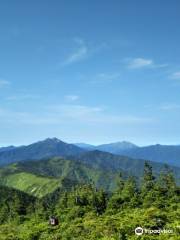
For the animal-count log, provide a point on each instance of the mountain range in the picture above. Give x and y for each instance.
(3, 149)
(39, 178)
(169, 154)
(50, 147)
(116, 163)
(45, 166)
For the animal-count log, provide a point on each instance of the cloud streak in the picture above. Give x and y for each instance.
(71, 113)
(94, 115)
(4, 83)
(170, 107)
(104, 77)
(22, 97)
(175, 75)
(80, 53)
(71, 97)
(139, 63)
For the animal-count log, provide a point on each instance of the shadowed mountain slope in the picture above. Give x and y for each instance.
(48, 148)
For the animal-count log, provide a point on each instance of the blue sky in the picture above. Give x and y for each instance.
(90, 71)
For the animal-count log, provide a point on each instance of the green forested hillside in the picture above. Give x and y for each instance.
(15, 204)
(41, 177)
(111, 162)
(44, 176)
(30, 183)
(88, 213)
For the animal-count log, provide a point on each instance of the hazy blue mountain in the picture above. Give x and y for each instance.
(117, 147)
(158, 153)
(48, 148)
(45, 176)
(54, 147)
(169, 154)
(3, 149)
(86, 146)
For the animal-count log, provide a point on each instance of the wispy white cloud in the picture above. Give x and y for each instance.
(79, 53)
(163, 65)
(104, 77)
(71, 113)
(12, 117)
(4, 83)
(74, 110)
(170, 107)
(175, 75)
(95, 115)
(71, 97)
(82, 51)
(21, 97)
(138, 63)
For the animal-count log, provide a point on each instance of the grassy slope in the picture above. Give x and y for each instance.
(45, 176)
(42, 177)
(30, 183)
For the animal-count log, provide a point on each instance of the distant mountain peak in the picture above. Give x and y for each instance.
(54, 139)
(123, 144)
(49, 147)
(3, 149)
(117, 147)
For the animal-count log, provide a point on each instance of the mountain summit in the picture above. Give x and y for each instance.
(117, 147)
(49, 147)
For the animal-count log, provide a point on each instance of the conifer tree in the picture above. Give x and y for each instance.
(148, 179)
(148, 194)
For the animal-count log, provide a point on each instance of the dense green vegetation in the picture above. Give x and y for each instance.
(85, 212)
(30, 183)
(38, 178)
(110, 162)
(45, 176)
(15, 204)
